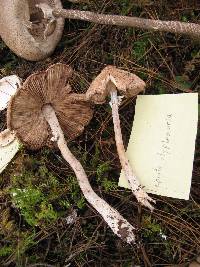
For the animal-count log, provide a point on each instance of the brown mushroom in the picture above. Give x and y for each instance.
(107, 83)
(128, 84)
(48, 87)
(26, 31)
(41, 111)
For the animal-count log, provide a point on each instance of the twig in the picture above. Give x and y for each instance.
(120, 226)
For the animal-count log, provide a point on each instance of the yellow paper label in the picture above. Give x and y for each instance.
(162, 143)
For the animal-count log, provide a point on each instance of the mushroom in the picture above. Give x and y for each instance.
(8, 87)
(107, 83)
(32, 28)
(41, 111)
(6, 137)
(9, 144)
(26, 31)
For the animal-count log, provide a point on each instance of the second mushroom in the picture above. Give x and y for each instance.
(108, 82)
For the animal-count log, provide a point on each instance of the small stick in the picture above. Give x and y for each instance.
(134, 184)
(120, 226)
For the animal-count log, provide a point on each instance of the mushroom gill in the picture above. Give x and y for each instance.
(51, 87)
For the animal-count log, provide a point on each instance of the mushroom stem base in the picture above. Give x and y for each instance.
(120, 226)
(134, 184)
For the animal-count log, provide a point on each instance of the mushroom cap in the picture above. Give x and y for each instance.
(16, 17)
(128, 84)
(25, 117)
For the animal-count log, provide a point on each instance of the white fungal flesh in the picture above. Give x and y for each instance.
(47, 10)
(9, 145)
(120, 226)
(191, 29)
(8, 87)
(6, 137)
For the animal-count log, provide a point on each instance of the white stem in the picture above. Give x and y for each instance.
(78, 1)
(191, 29)
(120, 226)
(134, 184)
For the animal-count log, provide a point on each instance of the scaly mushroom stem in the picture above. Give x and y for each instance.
(191, 29)
(120, 226)
(134, 184)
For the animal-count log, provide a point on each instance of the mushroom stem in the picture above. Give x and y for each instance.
(120, 226)
(191, 29)
(134, 184)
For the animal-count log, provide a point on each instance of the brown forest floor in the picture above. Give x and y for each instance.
(33, 226)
